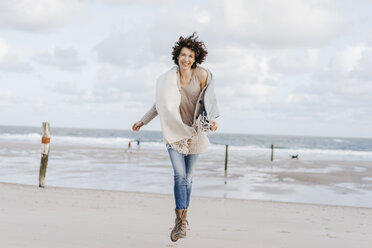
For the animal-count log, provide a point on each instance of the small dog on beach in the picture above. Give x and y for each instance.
(294, 156)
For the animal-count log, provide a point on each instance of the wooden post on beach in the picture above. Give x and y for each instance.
(45, 140)
(226, 158)
(272, 152)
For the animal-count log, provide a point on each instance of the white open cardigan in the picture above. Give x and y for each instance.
(168, 99)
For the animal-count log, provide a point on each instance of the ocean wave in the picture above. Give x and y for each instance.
(35, 137)
(21, 137)
(339, 140)
(249, 150)
(304, 153)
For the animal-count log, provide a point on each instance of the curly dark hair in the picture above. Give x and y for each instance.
(192, 43)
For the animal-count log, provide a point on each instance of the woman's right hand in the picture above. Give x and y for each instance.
(136, 126)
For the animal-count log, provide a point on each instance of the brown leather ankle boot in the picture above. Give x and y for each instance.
(179, 229)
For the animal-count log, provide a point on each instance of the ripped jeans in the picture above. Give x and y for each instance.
(183, 166)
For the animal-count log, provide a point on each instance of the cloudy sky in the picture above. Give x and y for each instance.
(281, 67)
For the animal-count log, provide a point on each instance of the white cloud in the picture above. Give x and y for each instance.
(255, 90)
(295, 61)
(138, 84)
(126, 45)
(347, 59)
(4, 49)
(349, 72)
(244, 75)
(302, 99)
(113, 85)
(68, 88)
(12, 59)
(8, 99)
(119, 2)
(342, 90)
(363, 69)
(38, 15)
(202, 16)
(285, 23)
(63, 58)
(71, 92)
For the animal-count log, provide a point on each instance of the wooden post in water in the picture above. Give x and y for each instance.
(272, 152)
(226, 158)
(45, 140)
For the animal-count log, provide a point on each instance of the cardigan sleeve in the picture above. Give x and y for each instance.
(151, 114)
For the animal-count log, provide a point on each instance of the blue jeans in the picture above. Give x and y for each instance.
(183, 166)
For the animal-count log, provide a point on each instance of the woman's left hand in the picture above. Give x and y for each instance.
(213, 127)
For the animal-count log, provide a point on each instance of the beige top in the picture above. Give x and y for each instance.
(189, 97)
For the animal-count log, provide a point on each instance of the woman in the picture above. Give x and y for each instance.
(186, 105)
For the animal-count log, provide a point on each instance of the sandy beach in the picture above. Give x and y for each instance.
(99, 194)
(66, 217)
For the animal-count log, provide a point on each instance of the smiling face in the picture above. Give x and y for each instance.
(186, 58)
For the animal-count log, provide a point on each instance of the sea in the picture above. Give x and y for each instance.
(325, 148)
(80, 157)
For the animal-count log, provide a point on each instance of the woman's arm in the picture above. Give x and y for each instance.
(151, 114)
(203, 77)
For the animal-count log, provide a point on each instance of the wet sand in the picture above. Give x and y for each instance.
(332, 182)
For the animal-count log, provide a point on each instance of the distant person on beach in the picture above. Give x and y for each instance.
(138, 144)
(129, 144)
(186, 105)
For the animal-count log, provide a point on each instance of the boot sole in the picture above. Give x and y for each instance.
(174, 240)
(177, 238)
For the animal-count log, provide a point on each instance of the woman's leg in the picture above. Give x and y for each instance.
(190, 161)
(180, 183)
(183, 168)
